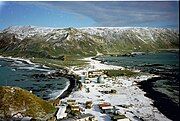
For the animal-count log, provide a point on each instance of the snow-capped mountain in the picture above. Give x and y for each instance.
(85, 41)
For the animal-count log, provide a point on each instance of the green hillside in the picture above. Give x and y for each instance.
(15, 100)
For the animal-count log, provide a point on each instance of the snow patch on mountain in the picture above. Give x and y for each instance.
(108, 33)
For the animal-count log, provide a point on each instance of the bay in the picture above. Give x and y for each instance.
(21, 74)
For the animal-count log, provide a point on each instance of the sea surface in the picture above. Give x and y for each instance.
(21, 74)
(164, 90)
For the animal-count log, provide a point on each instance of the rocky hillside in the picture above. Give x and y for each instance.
(53, 42)
(136, 39)
(16, 102)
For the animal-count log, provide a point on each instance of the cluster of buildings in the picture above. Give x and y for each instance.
(93, 74)
(107, 108)
(71, 110)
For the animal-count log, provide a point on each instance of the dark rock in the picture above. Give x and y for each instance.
(17, 80)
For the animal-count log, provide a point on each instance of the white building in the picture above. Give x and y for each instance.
(61, 112)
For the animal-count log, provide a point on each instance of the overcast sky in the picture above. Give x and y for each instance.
(90, 14)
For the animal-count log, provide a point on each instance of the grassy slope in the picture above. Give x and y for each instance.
(59, 63)
(115, 73)
(13, 100)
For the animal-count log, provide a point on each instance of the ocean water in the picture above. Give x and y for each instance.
(163, 58)
(163, 90)
(21, 74)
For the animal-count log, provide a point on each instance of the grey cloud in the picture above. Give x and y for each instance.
(121, 13)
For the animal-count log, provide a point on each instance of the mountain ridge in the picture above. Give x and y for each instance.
(48, 42)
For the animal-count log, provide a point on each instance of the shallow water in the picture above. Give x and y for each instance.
(20, 74)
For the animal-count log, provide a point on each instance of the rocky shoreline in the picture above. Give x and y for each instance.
(160, 100)
(73, 80)
(166, 103)
(73, 86)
